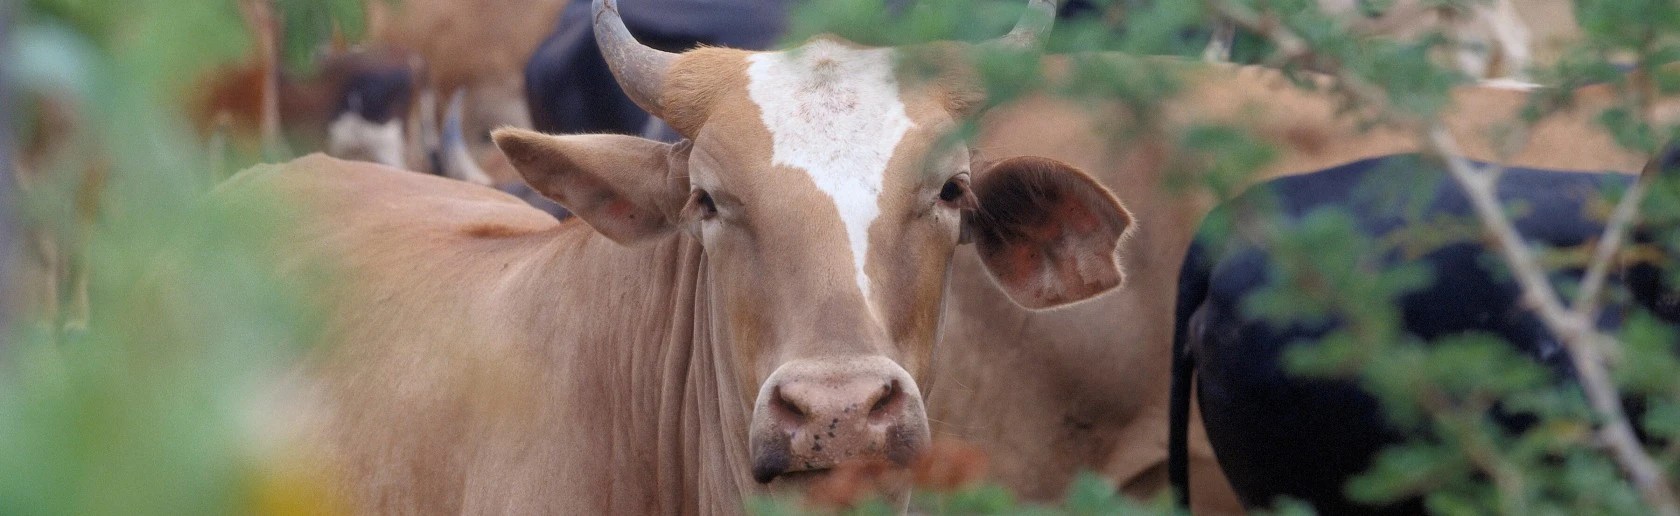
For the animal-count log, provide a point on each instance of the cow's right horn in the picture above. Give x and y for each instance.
(640, 69)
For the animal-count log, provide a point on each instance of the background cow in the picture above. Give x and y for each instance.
(1277, 434)
(567, 83)
(379, 99)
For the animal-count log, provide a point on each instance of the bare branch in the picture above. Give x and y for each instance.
(1587, 303)
(264, 25)
(1479, 186)
(1579, 336)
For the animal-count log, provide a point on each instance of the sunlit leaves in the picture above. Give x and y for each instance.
(307, 25)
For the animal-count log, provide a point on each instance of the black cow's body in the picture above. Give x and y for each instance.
(569, 89)
(567, 83)
(1276, 434)
(376, 88)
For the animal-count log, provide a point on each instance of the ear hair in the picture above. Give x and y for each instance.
(1047, 232)
(628, 188)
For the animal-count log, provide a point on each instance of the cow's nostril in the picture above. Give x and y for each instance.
(886, 400)
(790, 410)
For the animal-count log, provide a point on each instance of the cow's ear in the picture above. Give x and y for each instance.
(629, 189)
(1049, 234)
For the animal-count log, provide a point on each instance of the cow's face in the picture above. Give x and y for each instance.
(831, 211)
(829, 208)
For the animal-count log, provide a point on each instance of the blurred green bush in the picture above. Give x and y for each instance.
(145, 404)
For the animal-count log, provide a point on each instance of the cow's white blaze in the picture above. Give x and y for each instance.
(835, 113)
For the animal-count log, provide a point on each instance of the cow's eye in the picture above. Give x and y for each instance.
(700, 205)
(955, 192)
(707, 204)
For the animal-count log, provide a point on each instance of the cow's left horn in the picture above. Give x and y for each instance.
(1032, 27)
(640, 69)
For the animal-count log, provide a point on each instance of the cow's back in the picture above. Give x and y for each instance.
(1279, 434)
(428, 384)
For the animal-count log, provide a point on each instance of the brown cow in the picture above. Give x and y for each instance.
(374, 101)
(479, 47)
(754, 305)
(1047, 394)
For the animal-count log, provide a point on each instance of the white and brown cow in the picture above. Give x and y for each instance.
(755, 305)
(1490, 38)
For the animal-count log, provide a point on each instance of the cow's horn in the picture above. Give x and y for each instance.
(1032, 27)
(454, 159)
(640, 69)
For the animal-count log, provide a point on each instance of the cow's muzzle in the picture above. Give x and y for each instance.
(813, 415)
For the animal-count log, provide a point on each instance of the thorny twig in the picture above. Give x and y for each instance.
(1587, 300)
(1587, 305)
(1581, 339)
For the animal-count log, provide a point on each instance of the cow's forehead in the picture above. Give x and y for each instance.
(834, 112)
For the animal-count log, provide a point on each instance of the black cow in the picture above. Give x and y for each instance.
(370, 93)
(567, 83)
(569, 89)
(1276, 434)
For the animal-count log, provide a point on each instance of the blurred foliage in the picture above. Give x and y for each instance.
(1088, 495)
(141, 402)
(308, 25)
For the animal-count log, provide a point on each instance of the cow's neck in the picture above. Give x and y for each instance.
(671, 400)
(715, 419)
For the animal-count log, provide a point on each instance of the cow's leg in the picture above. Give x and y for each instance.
(1210, 492)
(43, 278)
(1219, 46)
(76, 308)
(1512, 54)
(1141, 471)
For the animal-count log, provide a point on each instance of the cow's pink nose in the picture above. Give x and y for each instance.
(812, 418)
(799, 403)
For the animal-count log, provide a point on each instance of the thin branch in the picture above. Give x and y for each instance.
(1460, 424)
(1479, 186)
(1579, 336)
(1586, 305)
(264, 25)
(1581, 339)
(1587, 301)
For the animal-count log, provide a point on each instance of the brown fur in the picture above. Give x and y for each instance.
(479, 46)
(465, 43)
(698, 82)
